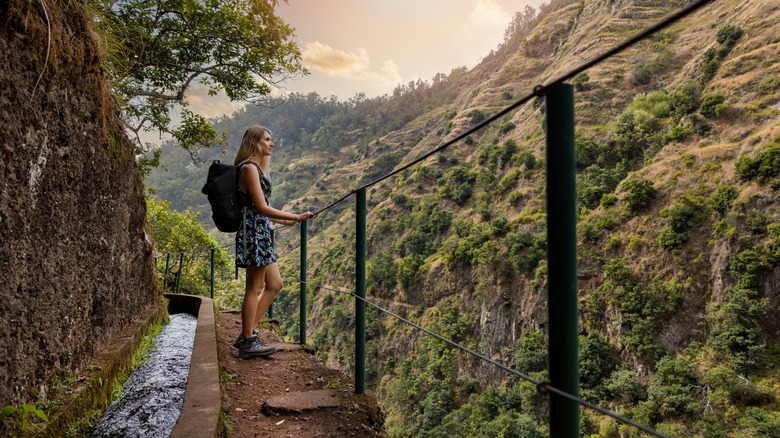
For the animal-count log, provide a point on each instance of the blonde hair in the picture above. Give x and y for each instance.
(249, 148)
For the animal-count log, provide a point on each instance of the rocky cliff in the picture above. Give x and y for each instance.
(75, 261)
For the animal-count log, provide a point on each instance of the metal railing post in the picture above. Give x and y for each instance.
(360, 291)
(165, 276)
(212, 273)
(302, 310)
(562, 261)
(178, 276)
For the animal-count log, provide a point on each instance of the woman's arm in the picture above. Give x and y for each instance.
(250, 180)
(283, 222)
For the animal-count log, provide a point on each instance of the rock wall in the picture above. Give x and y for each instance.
(75, 260)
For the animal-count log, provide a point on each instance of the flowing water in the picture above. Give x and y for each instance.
(153, 396)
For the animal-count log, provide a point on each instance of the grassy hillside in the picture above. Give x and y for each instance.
(678, 155)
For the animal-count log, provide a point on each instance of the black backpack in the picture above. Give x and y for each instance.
(222, 190)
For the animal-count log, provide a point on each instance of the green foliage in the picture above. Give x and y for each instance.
(597, 362)
(587, 151)
(22, 421)
(580, 82)
(157, 50)
(625, 387)
(381, 273)
(457, 184)
(423, 388)
(642, 308)
(765, 165)
(737, 329)
(525, 249)
(673, 388)
(597, 225)
(657, 103)
(639, 193)
(679, 218)
(181, 233)
(476, 116)
(727, 37)
(686, 99)
(722, 199)
(712, 105)
(531, 355)
(598, 181)
(506, 127)
(492, 413)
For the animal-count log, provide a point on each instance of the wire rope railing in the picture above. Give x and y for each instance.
(562, 260)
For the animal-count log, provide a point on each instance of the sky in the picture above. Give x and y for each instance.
(372, 46)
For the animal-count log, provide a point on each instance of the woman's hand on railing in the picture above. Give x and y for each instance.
(303, 216)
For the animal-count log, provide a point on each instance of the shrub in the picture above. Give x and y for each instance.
(381, 274)
(597, 360)
(723, 197)
(657, 103)
(764, 166)
(506, 127)
(457, 184)
(625, 387)
(669, 239)
(639, 193)
(686, 99)
(712, 105)
(476, 116)
(727, 37)
(531, 355)
(586, 151)
(580, 82)
(608, 200)
(597, 182)
(672, 388)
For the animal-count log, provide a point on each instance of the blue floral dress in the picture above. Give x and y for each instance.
(255, 231)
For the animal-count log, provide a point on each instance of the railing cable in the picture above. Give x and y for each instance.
(539, 91)
(540, 385)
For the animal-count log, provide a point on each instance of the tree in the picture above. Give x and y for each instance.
(157, 49)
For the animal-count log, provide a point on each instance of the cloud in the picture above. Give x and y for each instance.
(354, 65)
(488, 14)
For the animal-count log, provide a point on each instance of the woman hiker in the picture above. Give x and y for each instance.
(253, 239)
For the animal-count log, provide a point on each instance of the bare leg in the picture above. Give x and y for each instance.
(273, 284)
(254, 285)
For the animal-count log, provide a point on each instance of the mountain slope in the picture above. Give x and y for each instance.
(677, 157)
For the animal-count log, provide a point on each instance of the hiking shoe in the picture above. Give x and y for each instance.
(241, 338)
(252, 347)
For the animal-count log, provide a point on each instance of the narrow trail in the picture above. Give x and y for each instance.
(290, 394)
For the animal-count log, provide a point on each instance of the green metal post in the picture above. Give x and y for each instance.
(178, 277)
(360, 291)
(562, 261)
(302, 312)
(165, 277)
(273, 245)
(212, 273)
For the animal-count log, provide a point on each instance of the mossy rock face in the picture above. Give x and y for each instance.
(82, 404)
(76, 262)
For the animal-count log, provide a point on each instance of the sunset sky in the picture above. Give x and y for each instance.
(371, 46)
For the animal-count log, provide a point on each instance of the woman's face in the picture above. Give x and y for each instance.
(265, 144)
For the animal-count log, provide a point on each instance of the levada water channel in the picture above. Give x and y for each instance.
(153, 396)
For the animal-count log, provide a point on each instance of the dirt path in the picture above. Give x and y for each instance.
(272, 397)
